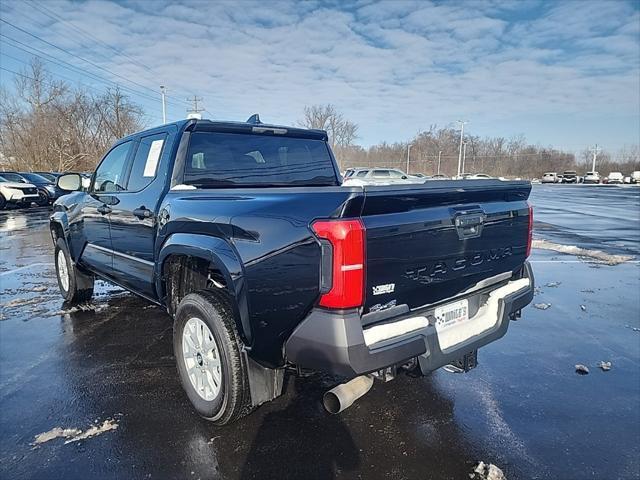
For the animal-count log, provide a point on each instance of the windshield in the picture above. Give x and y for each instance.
(48, 176)
(243, 160)
(35, 178)
(13, 177)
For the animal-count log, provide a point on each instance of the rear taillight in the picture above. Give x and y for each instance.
(342, 273)
(530, 233)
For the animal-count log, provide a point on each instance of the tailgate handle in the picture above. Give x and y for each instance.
(469, 225)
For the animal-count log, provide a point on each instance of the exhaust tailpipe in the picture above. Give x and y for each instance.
(342, 397)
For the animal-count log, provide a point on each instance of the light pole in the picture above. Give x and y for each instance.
(461, 122)
(439, 155)
(164, 106)
(464, 154)
(595, 151)
(408, 150)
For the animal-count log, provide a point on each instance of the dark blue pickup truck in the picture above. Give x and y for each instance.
(243, 232)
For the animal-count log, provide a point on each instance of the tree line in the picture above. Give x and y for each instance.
(436, 150)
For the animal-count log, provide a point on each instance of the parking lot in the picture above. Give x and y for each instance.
(524, 408)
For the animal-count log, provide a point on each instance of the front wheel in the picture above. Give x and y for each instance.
(43, 198)
(75, 286)
(207, 350)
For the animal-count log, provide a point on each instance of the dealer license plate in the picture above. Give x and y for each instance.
(451, 314)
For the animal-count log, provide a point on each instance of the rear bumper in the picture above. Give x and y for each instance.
(334, 342)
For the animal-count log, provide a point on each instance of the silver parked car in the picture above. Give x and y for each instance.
(379, 176)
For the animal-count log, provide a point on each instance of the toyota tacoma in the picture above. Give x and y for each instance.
(243, 232)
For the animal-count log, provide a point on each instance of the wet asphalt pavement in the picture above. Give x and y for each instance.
(523, 409)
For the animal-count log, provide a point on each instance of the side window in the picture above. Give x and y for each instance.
(395, 174)
(110, 175)
(145, 163)
(381, 173)
(362, 173)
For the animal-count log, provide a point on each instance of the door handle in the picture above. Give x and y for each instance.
(104, 209)
(142, 213)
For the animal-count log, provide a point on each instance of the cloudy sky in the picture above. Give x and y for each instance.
(564, 73)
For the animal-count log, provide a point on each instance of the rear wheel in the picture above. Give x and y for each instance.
(75, 286)
(207, 350)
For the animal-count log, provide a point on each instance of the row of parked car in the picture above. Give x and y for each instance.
(26, 188)
(390, 176)
(571, 176)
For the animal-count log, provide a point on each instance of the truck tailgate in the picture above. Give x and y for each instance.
(429, 243)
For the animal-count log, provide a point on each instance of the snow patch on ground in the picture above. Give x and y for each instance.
(598, 255)
(21, 302)
(487, 472)
(56, 433)
(75, 434)
(87, 307)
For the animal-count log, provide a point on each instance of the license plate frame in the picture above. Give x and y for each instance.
(451, 315)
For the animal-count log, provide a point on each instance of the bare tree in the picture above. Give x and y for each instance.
(342, 132)
(48, 125)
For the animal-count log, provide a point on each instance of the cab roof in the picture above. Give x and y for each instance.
(239, 127)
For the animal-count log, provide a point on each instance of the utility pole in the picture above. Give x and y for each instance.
(595, 150)
(464, 154)
(439, 155)
(408, 150)
(195, 111)
(461, 122)
(164, 104)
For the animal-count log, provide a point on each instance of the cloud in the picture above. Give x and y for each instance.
(393, 67)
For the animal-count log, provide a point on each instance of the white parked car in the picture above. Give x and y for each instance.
(476, 176)
(439, 176)
(616, 177)
(592, 177)
(550, 177)
(379, 176)
(635, 176)
(18, 193)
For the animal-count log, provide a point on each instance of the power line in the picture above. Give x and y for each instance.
(71, 68)
(77, 56)
(194, 112)
(54, 16)
(44, 82)
(68, 66)
(195, 101)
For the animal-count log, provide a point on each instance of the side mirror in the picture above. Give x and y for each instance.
(70, 182)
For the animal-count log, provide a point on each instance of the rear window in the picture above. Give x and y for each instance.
(244, 160)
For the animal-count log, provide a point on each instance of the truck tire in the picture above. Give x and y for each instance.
(207, 349)
(75, 286)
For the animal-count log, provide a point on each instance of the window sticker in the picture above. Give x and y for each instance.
(152, 158)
